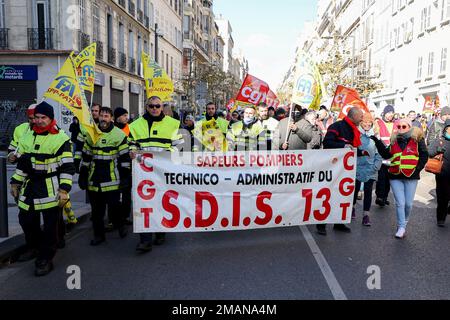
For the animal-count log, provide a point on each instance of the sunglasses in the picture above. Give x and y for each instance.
(154, 106)
(404, 127)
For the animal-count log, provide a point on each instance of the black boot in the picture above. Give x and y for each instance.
(27, 256)
(43, 267)
(144, 247)
(322, 229)
(160, 238)
(97, 241)
(123, 232)
(342, 228)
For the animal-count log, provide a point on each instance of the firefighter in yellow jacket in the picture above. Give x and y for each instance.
(41, 184)
(105, 171)
(248, 134)
(154, 132)
(210, 132)
(19, 132)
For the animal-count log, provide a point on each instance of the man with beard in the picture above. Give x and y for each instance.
(270, 125)
(386, 129)
(154, 132)
(294, 132)
(105, 171)
(248, 134)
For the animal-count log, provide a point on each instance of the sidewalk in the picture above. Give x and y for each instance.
(15, 242)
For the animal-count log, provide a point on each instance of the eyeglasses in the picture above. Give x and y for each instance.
(404, 127)
(154, 106)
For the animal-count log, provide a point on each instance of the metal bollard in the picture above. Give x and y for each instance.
(3, 199)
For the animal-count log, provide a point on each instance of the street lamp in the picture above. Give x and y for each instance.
(157, 35)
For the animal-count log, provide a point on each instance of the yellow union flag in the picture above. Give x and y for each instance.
(85, 67)
(308, 85)
(66, 90)
(157, 82)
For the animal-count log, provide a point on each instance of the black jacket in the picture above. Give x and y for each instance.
(433, 150)
(338, 135)
(385, 152)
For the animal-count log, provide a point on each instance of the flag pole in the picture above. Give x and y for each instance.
(288, 131)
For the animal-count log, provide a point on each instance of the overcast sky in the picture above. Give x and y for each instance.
(267, 32)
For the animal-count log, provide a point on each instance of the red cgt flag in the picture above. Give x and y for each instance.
(272, 100)
(253, 92)
(345, 99)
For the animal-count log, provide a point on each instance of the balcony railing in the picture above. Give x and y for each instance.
(84, 40)
(112, 56)
(122, 60)
(147, 22)
(131, 8)
(140, 16)
(4, 39)
(122, 3)
(40, 38)
(132, 64)
(99, 55)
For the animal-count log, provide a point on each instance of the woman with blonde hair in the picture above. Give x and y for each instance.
(408, 154)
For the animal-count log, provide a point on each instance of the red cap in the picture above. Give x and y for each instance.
(30, 110)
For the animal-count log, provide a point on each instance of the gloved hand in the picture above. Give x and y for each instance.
(62, 197)
(77, 163)
(83, 178)
(125, 182)
(12, 158)
(15, 191)
(374, 138)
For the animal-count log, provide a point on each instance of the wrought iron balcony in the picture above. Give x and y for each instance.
(132, 64)
(140, 16)
(99, 55)
(112, 56)
(84, 40)
(4, 39)
(40, 38)
(122, 60)
(131, 8)
(147, 22)
(122, 3)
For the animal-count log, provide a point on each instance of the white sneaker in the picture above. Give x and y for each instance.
(401, 233)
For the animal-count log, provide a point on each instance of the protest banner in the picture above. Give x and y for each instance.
(85, 67)
(253, 91)
(242, 190)
(345, 99)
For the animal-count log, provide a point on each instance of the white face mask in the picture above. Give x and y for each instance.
(249, 120)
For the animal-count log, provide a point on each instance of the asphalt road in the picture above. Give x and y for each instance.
(271, 264)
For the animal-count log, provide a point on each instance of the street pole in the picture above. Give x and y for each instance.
(156, 43)
(353, 62)
(3, 200)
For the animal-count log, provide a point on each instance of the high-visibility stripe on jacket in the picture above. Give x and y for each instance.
(271, 127)
(107, 160)
(19, 132)
(404, 161)
(247, 139)
(162, 136)
(46, 165)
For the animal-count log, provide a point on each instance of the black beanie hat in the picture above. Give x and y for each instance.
(45, 109)
(118, 112)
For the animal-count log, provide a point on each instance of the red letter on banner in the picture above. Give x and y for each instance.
(347, 157)
(349, 189)
(146, 212)
(200, 222)
(264, 208)
(149, 193)
(143, 165)
(236, 209)
(172, 209)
